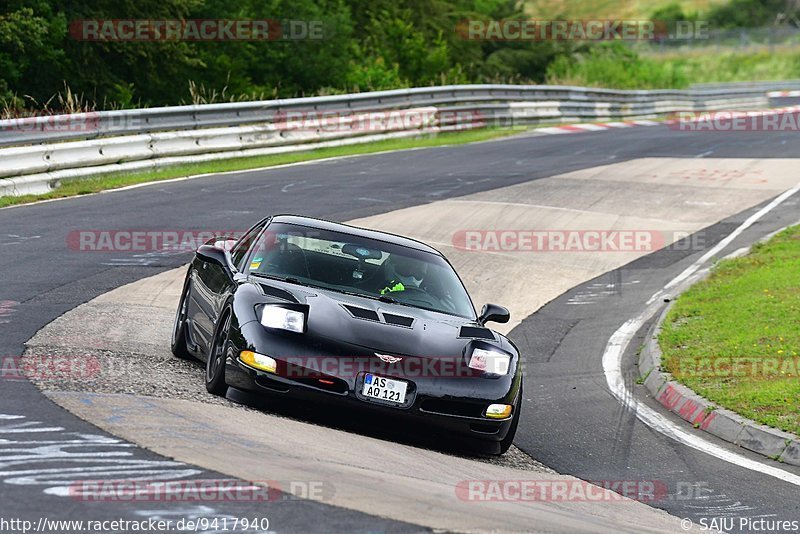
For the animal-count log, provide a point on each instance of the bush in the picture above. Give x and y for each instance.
(752, 13)
(614, 65)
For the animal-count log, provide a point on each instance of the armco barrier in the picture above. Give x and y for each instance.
(765, 86)
(39, 152)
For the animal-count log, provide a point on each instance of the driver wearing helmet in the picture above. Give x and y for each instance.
(402, 272)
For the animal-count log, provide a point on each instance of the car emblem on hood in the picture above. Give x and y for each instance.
(387, 358)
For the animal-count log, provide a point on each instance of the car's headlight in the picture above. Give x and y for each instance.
(490, 361)
(283, 318)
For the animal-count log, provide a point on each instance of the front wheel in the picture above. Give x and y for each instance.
(505, 444)
(215, 366)
(179, 333)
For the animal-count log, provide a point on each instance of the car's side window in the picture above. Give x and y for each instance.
(240, 251)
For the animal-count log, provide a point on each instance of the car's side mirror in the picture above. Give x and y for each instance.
(213, 254)
(494, 313)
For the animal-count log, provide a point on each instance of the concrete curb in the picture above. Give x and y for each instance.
(705, 415)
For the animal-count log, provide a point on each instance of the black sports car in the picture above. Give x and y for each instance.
(305, 308)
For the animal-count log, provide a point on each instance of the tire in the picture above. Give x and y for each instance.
(505, 444)
(179, 330)
(215, 365)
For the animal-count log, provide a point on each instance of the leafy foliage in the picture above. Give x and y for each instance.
(616, 65)
(366, 45)
(754, 13)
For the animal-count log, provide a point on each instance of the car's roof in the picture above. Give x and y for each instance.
(322, 224)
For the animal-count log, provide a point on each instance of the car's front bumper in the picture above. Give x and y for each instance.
(441, 396)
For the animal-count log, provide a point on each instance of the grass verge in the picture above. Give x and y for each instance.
(734, 338)
(609, 9)
(705, 65)
(615, 65)
(116, 180)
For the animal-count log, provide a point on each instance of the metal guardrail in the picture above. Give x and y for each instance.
(47, 129)
(40, 151)
(763, 86)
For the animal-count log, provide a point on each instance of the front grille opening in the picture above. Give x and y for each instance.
(399, 320)
(483, 428)
(362, 313)
(270, 384)
(327, 383)
(450, 407)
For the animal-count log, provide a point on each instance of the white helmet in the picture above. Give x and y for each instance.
(409, 271)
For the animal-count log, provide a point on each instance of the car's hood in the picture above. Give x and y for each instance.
(386, 327)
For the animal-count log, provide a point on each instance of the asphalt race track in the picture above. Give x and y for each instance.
(571, 422)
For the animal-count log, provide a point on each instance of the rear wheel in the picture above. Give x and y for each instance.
(179, 329)
(215, 366)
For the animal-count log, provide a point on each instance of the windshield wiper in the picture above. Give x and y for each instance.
(351, 293)
(382, 298)
(293, 280)
(287, 279)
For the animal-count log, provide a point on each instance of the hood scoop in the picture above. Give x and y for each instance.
(476, 332)
(362, 313)
(372, 315)
(398, 320)
(277, 292)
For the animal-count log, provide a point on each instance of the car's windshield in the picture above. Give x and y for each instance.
(367, 267)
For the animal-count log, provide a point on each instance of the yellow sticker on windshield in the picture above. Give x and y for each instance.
(256, 263)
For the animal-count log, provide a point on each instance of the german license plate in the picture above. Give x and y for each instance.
(386, 389)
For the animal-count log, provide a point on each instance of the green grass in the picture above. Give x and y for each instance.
(113, 181)
(709, 65)
(617, 66)
(619, 9)
(747, 311)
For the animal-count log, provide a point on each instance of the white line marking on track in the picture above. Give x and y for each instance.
(591, 127)
(733, 235)
(612, 364)
(552, 130)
